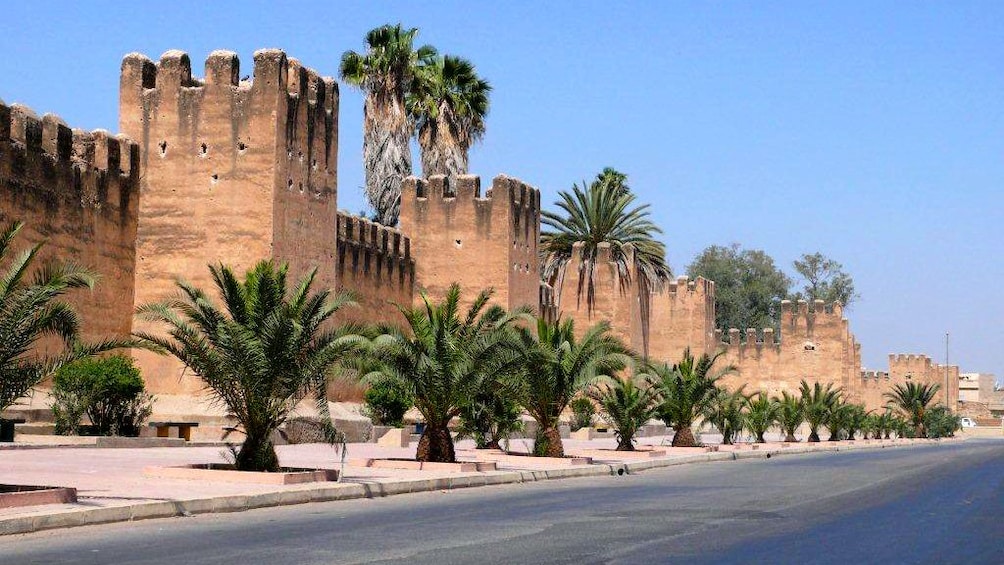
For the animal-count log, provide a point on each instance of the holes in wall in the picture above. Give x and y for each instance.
(163, 148)
(203, 150)
(301, 188)
(214, 179)
(289, 154)
(289, 184)
(313, 164)
(300, 156)
(458, 243)
(241, 147)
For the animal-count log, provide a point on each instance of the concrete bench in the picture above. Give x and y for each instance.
(184, 429)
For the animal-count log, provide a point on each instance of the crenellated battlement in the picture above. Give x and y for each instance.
(374, 246)
(49, 142)
(480, 241)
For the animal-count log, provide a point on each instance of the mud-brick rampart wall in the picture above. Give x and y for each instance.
(78, 192)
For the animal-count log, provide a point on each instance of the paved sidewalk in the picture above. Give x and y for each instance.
(111, 485)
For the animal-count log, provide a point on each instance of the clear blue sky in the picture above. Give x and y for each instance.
(870, 131)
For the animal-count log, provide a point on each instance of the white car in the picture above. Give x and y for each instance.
(968, 423)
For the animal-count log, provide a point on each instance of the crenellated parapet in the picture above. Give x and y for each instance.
(375, 251)
(480, 241)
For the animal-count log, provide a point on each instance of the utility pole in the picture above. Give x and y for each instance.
(946, 373)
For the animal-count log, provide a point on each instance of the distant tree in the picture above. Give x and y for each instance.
(824, 279)
(596, 215)
(385, 72)
(448, 103)
(612, 178)
(748, 286)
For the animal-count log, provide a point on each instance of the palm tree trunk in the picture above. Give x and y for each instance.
(834, 435)
(790, 438)
(387, 160)
(887, 434)
(625, 443)
(684, 437)
(257, 453)
(813, 436)
(760, 438)
(436, 445)
(441, 152)
(547, 442)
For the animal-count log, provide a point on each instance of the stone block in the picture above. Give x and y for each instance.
(583, 434)
(395, 437)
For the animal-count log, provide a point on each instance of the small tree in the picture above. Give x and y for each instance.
(447, 358)
(818, 401)
(725, 411)
(108, 390)
(839, 420)
(627, 405)
(583, 412)
(939, 422)
(264, 350)
(686, 389)
(490, 416)
(913, 400)
(387, 400)
(857, 420)
(791, 414)
(761, 415)
(559, 366)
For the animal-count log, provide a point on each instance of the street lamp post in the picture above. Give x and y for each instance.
(947, 405)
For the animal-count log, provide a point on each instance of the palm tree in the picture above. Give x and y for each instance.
(558, 366)
(761, 415)
(839, 419)
(913, 399)
(791, 414)
(268, 347)
(627, 404)
(613, 178)
(600, 216)
(448, 103)
(385, 72)
(448, 358)
(686, 389)
(818, 401)
(725, 411)
(490, 415)
(857, 418)
(31, 308)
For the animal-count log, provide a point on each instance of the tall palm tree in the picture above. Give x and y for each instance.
(913, 400)
(686, 389)
(267, 347)
(448, 103)
(791, 414)
(818, 402)
(725, 411)
(31, 308)
(627, 404)
(447, 358)
(761, 415)
(594, 216)
(385, 72)
(558, 366)
(613, 178)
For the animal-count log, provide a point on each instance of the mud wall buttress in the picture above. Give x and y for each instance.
(375, 264)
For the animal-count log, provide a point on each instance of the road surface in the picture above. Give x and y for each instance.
(932, 504)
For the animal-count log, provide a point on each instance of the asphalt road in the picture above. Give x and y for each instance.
(938, 504)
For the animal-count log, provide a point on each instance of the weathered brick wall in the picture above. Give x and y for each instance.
(682, 315)
(480, 242)
(873, 385)
(375, 264)
(234, 171)
(78, 191)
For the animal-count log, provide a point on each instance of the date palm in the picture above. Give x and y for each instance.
(686, 388)
(818, 401)
(559, 366)
(839, 418)
(31, 309)
(264, 349)
(791, 414)
(448, 103)
(725, 411)
(597, 217)
(761, 415)
(448, 357)
(912, 400)
(627, 404)
(385, 72)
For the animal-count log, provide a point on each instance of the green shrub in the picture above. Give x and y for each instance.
(939, 422)
(583, 411)
(387, 400)
(109, 391)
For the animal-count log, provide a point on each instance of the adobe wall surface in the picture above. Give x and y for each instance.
(234, 171)
(815, 345)
(921, 369)
(480, 242)
(375, 264)
(78, 191)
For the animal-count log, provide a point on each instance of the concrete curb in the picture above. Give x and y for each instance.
(345, 491)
